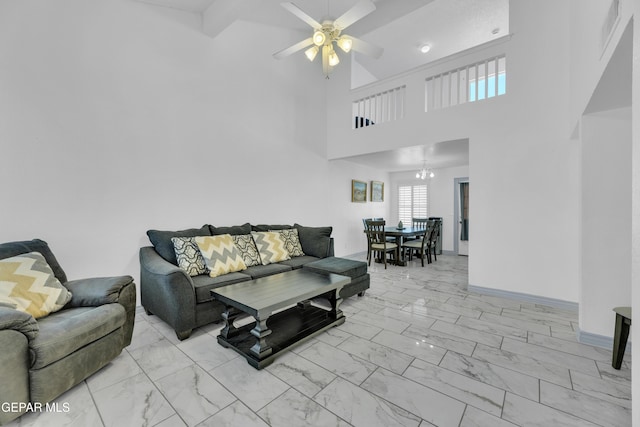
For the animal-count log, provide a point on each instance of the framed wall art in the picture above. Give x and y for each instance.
(377, 191)
(358, 191)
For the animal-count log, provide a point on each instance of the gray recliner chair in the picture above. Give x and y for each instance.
(41, 359)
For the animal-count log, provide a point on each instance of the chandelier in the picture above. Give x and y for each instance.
(424, 172)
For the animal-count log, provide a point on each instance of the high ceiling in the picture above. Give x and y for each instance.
(442, 155)
(398, 26)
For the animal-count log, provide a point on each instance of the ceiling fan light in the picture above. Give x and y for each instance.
(319, 38)
(345, 43)
(333, 58)
(312, 52)
(425, 48)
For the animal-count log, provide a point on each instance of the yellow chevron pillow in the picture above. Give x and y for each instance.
(28, 284)
(270, 246)
(220, 254)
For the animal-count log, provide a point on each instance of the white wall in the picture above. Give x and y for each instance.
(440, 193)
(347, 215)
(117, 117)
(525, 176)
(605, 219)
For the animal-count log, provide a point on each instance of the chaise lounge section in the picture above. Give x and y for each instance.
(184, 301)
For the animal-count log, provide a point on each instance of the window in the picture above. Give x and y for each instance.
(412, 202)
(491, 92)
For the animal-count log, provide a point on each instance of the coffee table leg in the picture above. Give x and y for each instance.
(230, 315)
(261, 349)
(335, 301)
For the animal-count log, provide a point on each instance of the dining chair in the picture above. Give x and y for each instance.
(421, 245)
(435, 233)
(419, 223)
(364, 221)
(377, 241)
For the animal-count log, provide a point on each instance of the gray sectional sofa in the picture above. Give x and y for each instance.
(185, 302)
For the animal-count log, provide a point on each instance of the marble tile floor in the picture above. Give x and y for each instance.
(416, 350)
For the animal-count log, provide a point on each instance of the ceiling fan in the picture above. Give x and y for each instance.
(328, 33)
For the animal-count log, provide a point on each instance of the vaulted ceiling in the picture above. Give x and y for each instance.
(398, 26)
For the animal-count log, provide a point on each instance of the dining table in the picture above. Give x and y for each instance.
(400, 234)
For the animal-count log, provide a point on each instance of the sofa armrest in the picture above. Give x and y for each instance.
(166, 290)
(331, 250)
(18, 321)
(98, 291)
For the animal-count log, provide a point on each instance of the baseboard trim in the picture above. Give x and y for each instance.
(582, 336)
(356, 255)
(518, 296)
(599, 340)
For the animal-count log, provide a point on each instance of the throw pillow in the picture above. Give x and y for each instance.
(248, 250)
(188, 255)
(220, 254)
(10, 249)
(316, 241)
(291, 241)
(270, 246)
(29, 285)
(162, 243)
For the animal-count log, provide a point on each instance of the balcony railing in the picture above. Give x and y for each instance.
(474, 82)
(378, 108)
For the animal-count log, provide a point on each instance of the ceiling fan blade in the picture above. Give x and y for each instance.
(293, 49)
(366, 48)
(301, 14)
(357, 12)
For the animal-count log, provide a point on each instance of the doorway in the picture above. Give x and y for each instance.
(461, 216)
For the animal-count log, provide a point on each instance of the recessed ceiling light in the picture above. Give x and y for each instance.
(495, 31)
(425, 48)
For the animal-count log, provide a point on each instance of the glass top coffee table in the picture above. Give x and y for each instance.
(284, 316)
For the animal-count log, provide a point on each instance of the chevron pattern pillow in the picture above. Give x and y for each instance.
(28, 284)
(270, 246)
(220, 254)
(188, 255)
